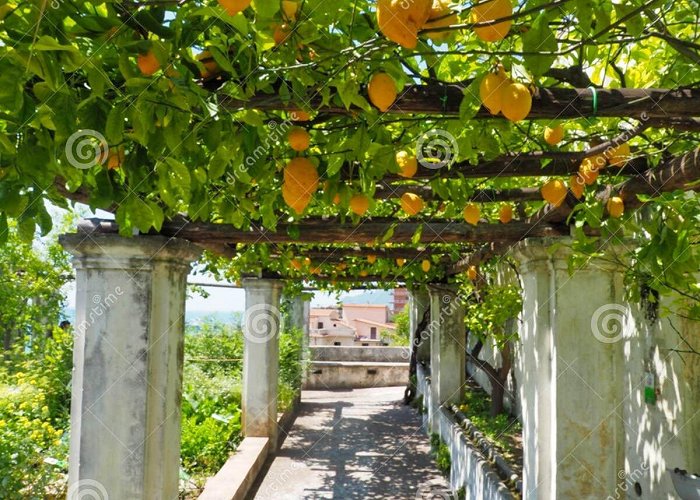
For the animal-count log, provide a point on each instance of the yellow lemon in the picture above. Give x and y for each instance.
(281, 33)
(516, 102)
(233, 7)
(620, 155)
(400, 20)
(588, 171)
(554, 192)
(440, 16)
(411, 203)
(299, 116)
(382, 91)
(298, 201)
(290, 9)
(296, 264)
(471, 273)
(407, 163)
(554, 135)
(371, 259)
(577, 185)
(363, 273)
(489, 11)
(148, 63)
(301, 176)
(491, 91)
(615, 206)
(471, 214)
(505, 214)
(400, 262)
(425, 265)
(359, 204)
(299, 139)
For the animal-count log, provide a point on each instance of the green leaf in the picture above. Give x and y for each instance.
(540, 38)
(114, 129)
(471, 102)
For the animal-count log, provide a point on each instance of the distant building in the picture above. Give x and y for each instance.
(400, 296)
(353, 325)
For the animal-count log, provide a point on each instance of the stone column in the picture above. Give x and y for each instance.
(447, 346)
(261, 358)
(571, 383)
(418, 304)
(299, 310)
(127, 365)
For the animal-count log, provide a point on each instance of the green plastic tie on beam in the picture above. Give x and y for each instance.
(443, 99)
(595, 100)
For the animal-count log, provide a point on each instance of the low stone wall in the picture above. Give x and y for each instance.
(236, 478)
(470, 469)
(325, 375)
(367, 354)
(336, 367)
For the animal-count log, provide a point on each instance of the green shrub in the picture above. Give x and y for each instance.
(441, 453)
(211, 402)
(27, 439)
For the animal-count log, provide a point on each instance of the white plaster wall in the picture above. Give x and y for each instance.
(469, 469)
(666, 434)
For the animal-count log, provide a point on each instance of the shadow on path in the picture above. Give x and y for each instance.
(353, 444)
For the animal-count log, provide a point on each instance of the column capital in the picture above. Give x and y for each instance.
(442, 288)
(111, 251)
(532, 253)
(262, 283)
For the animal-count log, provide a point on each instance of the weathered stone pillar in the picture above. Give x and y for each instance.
(571, 383)
(418, 304)
(127, 365)
(447, 346)
(299, 311)
(261, 358)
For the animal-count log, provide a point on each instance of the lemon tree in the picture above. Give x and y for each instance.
(257, 113)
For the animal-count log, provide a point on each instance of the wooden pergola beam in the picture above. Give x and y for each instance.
(328, 231)
(386, 191)
(547, 103)
(679, 173)
(336, 255)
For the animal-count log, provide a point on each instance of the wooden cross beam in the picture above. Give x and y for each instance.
(547, 103)
(329, 231)
(335, 255)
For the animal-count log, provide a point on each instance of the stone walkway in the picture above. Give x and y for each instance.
(354, 444)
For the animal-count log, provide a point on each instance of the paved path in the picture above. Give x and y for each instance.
(353, 444)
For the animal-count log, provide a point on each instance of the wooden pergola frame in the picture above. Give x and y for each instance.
(652, 107)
